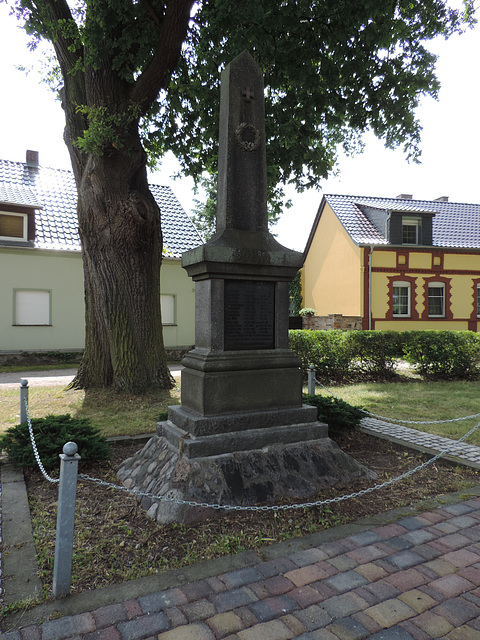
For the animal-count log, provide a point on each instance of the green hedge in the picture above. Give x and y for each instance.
(328, 351)
(340, 356)
(442, 354)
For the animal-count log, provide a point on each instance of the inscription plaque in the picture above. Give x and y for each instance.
(249, 315)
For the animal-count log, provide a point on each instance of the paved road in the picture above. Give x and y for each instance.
(52, 377)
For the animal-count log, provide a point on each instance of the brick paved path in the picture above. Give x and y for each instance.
(417, 577)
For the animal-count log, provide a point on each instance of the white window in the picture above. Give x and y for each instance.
(401, 299)
(13, 226)
(32, 307)
(436, 300)
(167, 302)
(411, 230)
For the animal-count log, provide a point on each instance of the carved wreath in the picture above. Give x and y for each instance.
(247, 136)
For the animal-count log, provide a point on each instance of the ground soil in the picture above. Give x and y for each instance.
(116, 541)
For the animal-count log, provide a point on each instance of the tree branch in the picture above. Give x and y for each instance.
(67, 49)
(171, 36)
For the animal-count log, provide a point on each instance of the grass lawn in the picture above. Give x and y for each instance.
(114, 414)
(419, 400)
(122, 414)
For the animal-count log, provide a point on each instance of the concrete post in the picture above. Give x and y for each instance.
(311, 380)
(23, 400)
(62, 568)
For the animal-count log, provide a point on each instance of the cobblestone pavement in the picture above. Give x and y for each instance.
(417, 577)
(460, 451)
(396, 577)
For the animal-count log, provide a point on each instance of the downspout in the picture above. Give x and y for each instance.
(370, 288)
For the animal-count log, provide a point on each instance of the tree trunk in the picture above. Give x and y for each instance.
(119, 226)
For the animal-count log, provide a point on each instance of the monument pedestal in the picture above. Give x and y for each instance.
(241, 434)
(258, 476)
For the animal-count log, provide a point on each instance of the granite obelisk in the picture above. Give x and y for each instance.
(241, 433)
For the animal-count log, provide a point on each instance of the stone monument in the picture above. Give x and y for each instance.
(241, 434)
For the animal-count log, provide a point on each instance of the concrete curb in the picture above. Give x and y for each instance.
(20, 568)
(91, 600)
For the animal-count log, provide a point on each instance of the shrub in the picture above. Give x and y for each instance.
(338, 414)
(442, 354)
(375, 352)
(51, 433)
(328, 351)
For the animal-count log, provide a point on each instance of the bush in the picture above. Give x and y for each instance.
(338, 414)
(375, 352)
(51, 433)
(442, 354)
(328, 351)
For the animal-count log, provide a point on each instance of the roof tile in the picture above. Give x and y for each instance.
(53, 193)
(455, 225)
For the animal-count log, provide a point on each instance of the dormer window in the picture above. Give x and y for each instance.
(411, 230)
(13, 226)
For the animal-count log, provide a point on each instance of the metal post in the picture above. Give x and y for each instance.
(62, 568)
(23, 400)
(311, 380)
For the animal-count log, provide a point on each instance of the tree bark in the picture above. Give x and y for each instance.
(118, 218)
(119, 225)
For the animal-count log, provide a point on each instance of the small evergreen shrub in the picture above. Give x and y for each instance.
(51, 433)
(338, 414)
(442, 354)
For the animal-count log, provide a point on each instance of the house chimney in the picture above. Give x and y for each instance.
(405, 196)
(32, 159)
(442, 199)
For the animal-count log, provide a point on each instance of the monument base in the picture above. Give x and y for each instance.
(253, 477)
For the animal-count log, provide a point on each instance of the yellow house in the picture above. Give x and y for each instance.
(41, 272)
(393, 264)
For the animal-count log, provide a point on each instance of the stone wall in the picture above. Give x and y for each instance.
(332, 321)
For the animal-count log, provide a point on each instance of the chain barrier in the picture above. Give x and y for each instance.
(34, 447)
(288, 507)
(374, 415)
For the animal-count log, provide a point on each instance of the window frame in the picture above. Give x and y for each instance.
(24, 216)
(441, 286)
(404, 284)
(16, 310)
(413, 284)
(410, 221)
(173, 297)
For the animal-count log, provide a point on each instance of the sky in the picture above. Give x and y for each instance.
(31, 118)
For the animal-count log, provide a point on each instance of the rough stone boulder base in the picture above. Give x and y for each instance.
(247, 477)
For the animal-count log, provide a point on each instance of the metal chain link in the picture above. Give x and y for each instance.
(396, 420)
(288, 507)
(34, 447)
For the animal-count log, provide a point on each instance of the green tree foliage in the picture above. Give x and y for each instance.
(296, 298)
(143, 75)
(332, 71)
